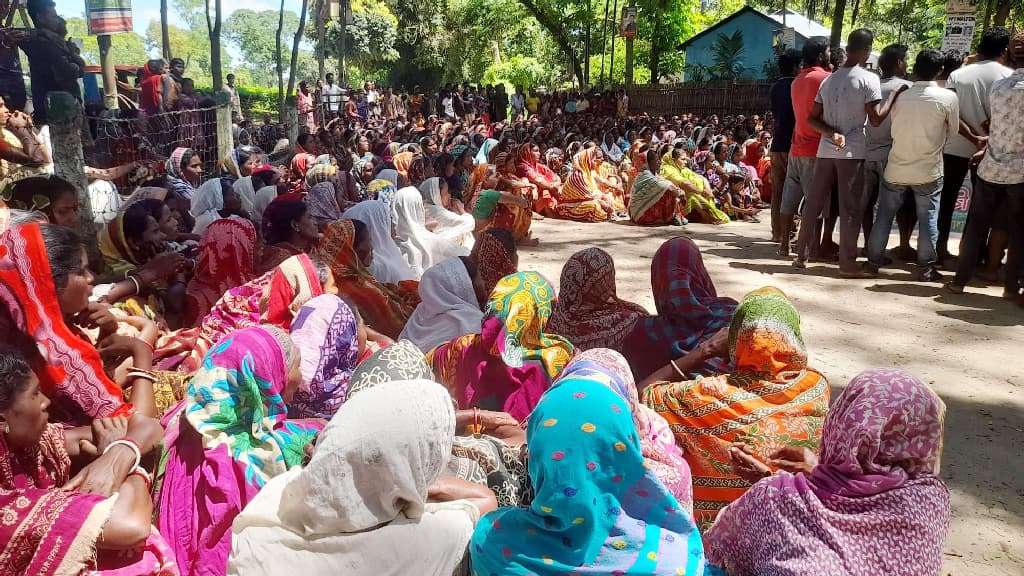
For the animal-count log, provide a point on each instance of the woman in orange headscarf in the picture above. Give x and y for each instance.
(530, 167)
(583, 198)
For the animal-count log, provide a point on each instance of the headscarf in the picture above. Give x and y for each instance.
(231, 438)
(874, 504)
(264, 196)
(357, 175)
(401, 361)
(320, 173)
(448, 306)
(493, 260)
(117, 253)
(384, 307)
(483, 155)
(402, 160)
(770, 400)
(598, 508)
(322, 201)
(420, 247)
(227, 258)
(382, 190)
(324, 331)
(452, 227)
(512, 361)
(388, 266)
(243, 187)
(588, 312)
(361, 502)
(457, 151)
(143, 193)
(70, 370)
(229, 165)
(417, 170)
(173, 167)
(206, 205)
(532, 171)
(689, 311)
(580, 186)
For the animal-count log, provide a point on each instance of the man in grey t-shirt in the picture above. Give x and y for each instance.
(846, 101)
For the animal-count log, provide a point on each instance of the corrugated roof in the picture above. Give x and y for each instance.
(801, 24)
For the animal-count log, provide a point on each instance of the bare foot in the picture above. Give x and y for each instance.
(528, 242)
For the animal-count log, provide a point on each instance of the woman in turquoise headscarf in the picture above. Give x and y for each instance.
(598, 509)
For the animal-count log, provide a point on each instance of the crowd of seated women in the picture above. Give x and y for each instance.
(342, 367)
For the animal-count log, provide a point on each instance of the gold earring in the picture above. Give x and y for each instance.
(7, 428)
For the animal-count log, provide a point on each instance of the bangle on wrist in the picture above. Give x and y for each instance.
(141, 473)
(132, 444)
(678, 371)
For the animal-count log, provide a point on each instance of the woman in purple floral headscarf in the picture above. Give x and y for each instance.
(873, 504)
(331, 339)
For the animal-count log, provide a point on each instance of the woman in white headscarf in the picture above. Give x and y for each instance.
(421, 247)
(449, 304)
(214, 200)
(360, 506)
(457, 228)
(388, 266)
(246, 193)
(264, 196)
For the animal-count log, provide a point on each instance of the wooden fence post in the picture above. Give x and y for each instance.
(66, 118)
(225, 127)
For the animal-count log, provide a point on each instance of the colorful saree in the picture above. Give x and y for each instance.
(324, 331)
(874, 504)
(322, 201)
(231, 438)
(771, 399)
(653, 200)
(588, 312)
(696, 204)
(512, 361)
(385, 307)
(537, 173)
(69, 369)
(689, 311)
(580, 195)
(48, 531)
(494, 260)
(598, 508)
(657, 444)
(117, 254)
(296, 281)
(227, 258)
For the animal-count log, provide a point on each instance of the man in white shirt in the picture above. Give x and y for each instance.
(518, 103)
(845, 102)
(1000, 180)
(331, 97)
(923, 119)
(971, 84)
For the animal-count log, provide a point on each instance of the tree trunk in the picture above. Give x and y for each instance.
(987, 19)
(280, 64)
(656, 39)
(586, 42)
(837, 23)
(855, 13)
(216, 68)
(165, 36)
(319, 24)
(558, 34)
(604, 39)
(1002, 13)
(295, 46)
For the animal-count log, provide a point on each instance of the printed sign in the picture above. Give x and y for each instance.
(963, 204)
(628, 25)
(962, 7)
(959, 32)
(108, 16)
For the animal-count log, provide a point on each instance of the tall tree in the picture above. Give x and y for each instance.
(278, 60)
(214, 27)
(295, 46)
(165, 34)
(550, 15)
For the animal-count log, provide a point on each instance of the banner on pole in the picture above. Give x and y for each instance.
(962, 7)
(959, 32)
(108, 16)
(627, 27)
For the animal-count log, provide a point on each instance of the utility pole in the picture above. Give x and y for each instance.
(109, 74)
(611, 67)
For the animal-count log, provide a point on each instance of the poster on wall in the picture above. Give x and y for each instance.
(108, 16)
(628, 25)
(959, 32)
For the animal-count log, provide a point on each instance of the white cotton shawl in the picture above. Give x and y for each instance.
(360, 507)
(421, 247)
(264, 196)
(388, 266)
(206, 204)
(243, 187)
(455, 228)
(448, 307)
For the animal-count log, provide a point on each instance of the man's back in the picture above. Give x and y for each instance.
(923, 118)
(781, 101)
(843, 97)
(972, 84)
(880, 137)
(804, 89)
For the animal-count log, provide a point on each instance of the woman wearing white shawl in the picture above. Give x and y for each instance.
(448, 308)
(360, 506)
(213, 201)
(243, 187)
(264, 196)
(457, 228)
(485, 151)
(421, 247)
(388, 266)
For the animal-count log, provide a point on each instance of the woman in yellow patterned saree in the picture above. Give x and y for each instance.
(769, 401)
(700, 201)
(512, 361)
(585, 196)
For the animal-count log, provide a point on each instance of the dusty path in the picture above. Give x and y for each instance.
(970, 348)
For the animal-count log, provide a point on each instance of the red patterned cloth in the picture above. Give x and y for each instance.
(227, 258)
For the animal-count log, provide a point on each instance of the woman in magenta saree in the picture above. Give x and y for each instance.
(229, 439)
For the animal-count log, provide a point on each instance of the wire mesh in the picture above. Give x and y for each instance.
(122, 141)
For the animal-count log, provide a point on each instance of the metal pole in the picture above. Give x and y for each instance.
(109, 75)
(604, 40)
(629, 54)
(611, 67)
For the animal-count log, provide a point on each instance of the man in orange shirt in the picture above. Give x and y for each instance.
(804, 149)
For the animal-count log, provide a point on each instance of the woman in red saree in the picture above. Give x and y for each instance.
(548, 184)
(227, 258)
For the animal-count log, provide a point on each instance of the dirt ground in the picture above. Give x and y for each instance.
(967, 347)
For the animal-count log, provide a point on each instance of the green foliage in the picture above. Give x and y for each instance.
(128, 48)
(257, 101)
(616, 75)
(254, 35)
(727, 54)
(524, 71)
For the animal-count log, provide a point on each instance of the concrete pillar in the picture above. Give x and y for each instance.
(225, 134)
